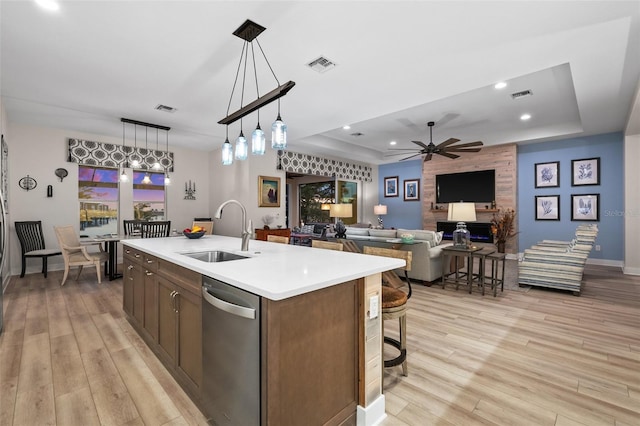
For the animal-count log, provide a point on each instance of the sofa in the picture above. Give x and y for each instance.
(426, 249)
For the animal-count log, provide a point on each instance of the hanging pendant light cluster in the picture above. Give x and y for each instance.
(135, 157)
(249, 32)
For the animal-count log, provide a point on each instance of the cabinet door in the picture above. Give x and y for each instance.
(127, 287)
(189, 359)
(138, 293)
(151, 303)
(167, 319)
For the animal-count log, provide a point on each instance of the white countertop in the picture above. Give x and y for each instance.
(275, 271)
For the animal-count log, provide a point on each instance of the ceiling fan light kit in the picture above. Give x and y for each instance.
(446, 148)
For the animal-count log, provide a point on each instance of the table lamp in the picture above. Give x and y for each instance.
(339, 211)
(380, 210)
(461, 213)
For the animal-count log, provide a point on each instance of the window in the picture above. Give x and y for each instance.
(98, 199)
(348, 194)
(148, 198)
(312, 197)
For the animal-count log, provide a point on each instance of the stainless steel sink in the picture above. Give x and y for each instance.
(214, 256)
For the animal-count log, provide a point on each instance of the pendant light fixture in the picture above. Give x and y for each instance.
(134, 162)
(123, 176)
(249, 32)
(227, 151)
(156, 164)
(146, 179)
(167, 179)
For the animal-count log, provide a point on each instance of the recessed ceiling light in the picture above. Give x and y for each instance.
(500, 85)
(525, 117)
(392, 143)
(346, 127)
(48, 4)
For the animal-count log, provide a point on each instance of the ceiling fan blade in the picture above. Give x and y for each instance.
(428, 157)
(456, 149)
(469, 144)
(411, 156)
(447, 142)
(446, 154)
(403, 149)
(391, 154)
(421, 144)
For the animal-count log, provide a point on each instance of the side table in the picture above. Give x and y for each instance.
(465, 278)
(481, 255)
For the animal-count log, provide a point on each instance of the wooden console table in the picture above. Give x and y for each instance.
(261, 234)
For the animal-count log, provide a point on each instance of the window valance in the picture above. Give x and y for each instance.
(320, 166)
(110, 155)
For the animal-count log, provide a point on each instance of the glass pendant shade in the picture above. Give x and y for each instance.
(242, 147)
(135, 163)
(257, 141)
(279, 134)
(156, 166)
(167, 179)
(124, 177)
(227, 153)
(146, 179)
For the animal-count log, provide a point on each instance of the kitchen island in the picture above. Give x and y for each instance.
(320, 335)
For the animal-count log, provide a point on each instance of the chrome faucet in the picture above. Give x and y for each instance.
(247, 230)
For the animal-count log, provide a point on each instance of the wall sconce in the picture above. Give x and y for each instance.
(189, 191)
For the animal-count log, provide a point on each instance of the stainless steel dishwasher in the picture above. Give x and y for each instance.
(230, 354)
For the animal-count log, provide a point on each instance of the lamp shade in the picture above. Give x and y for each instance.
(341, 210)
(379, 209)
(325, 206)
(462, 212)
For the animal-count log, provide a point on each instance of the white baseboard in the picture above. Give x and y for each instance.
(606, 262)
(630, 271)
(373, 414)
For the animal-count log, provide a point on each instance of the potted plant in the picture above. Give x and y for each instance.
(502, 227)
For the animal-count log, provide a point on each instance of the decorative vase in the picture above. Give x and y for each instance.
(501, 245)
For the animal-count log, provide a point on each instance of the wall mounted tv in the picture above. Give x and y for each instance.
(473, 187)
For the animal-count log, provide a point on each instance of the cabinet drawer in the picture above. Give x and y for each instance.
(185, 278)
(133, 254)
(149, 262)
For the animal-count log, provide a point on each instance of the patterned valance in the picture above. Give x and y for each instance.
(319, 166)
(110, 155)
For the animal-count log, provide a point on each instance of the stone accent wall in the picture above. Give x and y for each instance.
(502, 158)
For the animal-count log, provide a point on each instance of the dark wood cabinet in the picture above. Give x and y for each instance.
(261, 234)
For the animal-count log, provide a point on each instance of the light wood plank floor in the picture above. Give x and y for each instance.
(69, 357)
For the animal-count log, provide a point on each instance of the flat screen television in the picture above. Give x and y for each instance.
(472, 187)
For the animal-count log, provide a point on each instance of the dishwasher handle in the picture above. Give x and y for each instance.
(231, 308)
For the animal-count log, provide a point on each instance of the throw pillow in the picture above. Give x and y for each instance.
(357, 231)
(439, 237)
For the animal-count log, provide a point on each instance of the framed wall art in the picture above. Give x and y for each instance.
(547, 174)
(391, 186)
(585, 171)
(585, 207)
(411, 189)
(547, 207)
(268, 191)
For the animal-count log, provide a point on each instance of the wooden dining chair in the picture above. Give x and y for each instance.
(132, 227)
(76, 254)
(32, 244)
(394, 302)
(327, 245)
(278, 239)
(156, 229)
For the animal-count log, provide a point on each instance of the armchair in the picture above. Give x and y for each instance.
(76, 254)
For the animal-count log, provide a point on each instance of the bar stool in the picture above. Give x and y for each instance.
(497, 271)
(394, 302)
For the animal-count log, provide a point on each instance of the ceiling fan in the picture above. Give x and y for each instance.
(446, 148)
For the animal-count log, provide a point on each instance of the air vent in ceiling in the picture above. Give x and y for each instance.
(522, 94)
(321, 64)
(165, 108)
(356, 134)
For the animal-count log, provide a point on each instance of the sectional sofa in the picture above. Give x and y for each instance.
(426, 248)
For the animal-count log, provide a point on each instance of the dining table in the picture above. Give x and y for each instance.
(110, 242)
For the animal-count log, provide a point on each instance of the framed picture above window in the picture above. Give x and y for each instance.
(585, 171)
(268, 191)
(547, 207)
(547, 174)
(412, 190)
(585, 207)
(391, 186)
